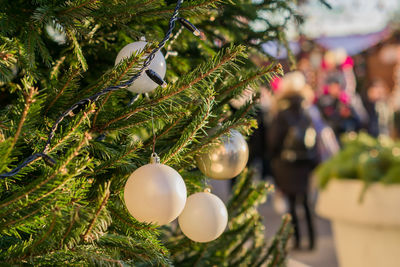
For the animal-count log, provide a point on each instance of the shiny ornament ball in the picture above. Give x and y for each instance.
(155, 193)
(204, 217)
(143, 84)
(226, 159)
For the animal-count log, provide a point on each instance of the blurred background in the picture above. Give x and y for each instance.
(334, 114)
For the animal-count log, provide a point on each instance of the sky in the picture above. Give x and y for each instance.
(347, 16)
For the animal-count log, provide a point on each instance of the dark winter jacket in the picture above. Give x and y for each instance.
(291, 173)
(341, 117)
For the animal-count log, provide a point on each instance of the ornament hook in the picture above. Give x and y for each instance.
(154, 158)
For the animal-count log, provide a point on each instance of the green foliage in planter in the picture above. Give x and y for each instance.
(365, 158)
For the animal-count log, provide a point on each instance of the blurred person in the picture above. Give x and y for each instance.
(347, 68)
(258, 158)
(395, 100)
(378, 108)
(292, 147)
(395, 104)
(336, 109)
(258, 147)
(327, 144)
(336, 63)
(305, 65)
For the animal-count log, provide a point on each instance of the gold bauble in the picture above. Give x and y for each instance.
(226, 159)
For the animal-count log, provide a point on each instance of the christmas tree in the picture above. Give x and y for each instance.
(71, 134)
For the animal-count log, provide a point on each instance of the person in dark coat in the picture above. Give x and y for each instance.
(292, 144)
(378, 108)
(336, 109)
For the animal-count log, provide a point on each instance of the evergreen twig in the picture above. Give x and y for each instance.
(29, 98)
(70, 78)
(51, 177)
(85, 236)
(226, 58)
(71, 224)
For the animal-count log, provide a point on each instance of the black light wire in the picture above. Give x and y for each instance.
(145, 68)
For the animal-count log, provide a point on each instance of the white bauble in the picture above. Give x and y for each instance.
(226, 159)
(155, 193)
(143, 84)
(204, 217)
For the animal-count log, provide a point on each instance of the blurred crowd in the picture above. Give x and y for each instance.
(302, 117)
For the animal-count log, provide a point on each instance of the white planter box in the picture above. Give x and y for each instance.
(367, 233)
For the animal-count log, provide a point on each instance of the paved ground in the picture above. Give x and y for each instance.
(324, 253)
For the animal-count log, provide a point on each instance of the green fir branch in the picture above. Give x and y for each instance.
(218, 62)
(36, 186)
(189, 134)
(86, 236)
(77, 50)
(70, 78)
